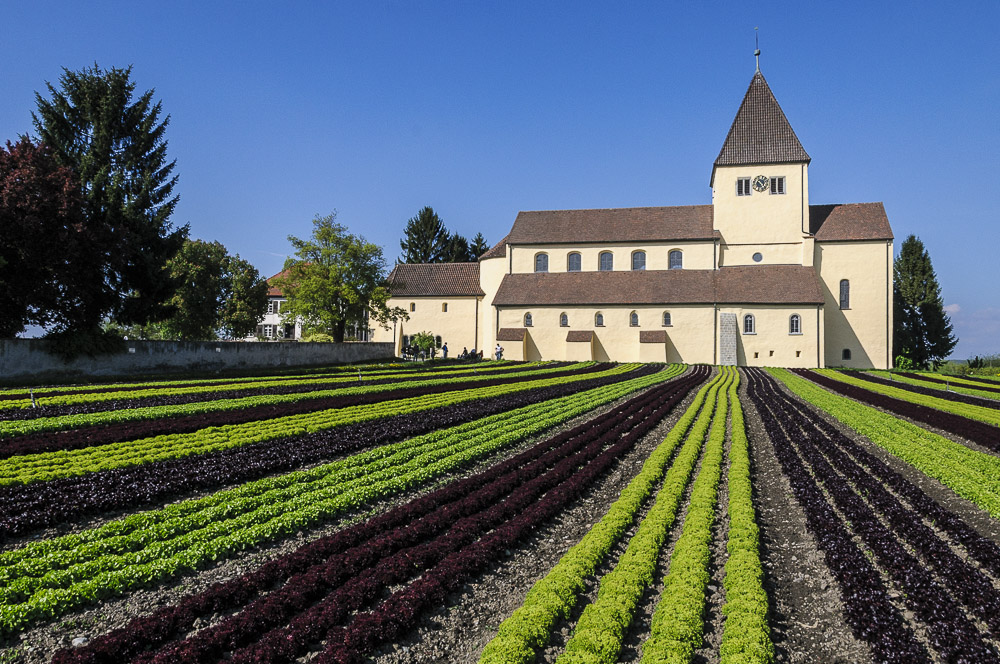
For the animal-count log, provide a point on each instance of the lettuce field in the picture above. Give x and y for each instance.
(503, 513)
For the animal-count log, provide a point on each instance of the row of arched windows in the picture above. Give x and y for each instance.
(794, 324)
(606, 261)
(633, 319)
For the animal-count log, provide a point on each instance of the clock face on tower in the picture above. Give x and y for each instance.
(760, 182)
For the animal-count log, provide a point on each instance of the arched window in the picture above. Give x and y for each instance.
(795, 324)
(638, 260)
(749, 325)
(527, 319)
(541, 262)
(573, 262)
(606, 262)
(563, 320)
(633, 319)
(666, 319)
(846, 355)
(845, 294)
(676, 260)
(598, 320)
(437, 342)
(413, 306)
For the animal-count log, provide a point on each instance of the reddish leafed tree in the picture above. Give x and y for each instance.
(40, 220)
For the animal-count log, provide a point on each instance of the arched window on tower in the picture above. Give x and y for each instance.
(638, 260)
(606, 262)
(541, 262)
(795, 324)
(845, 294)
(573, 262)
(676, 260)
(749, 325)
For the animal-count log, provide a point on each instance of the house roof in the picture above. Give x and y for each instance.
(435, 279)
(758, 284)
(642, 224)
(760, 133)
(498, 250)
(273, 291)
(511, 334)
(852, 221)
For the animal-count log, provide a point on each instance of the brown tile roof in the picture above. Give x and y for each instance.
(580, 335)
(760, 133)
(498, 250)
(435, 279)
(273, 291)
(853, 221)
(511, 333)
(652, 336)
(645, 224)
(759, 284)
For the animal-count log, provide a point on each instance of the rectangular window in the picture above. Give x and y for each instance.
(444, 307)
(778, 185)
(742, 186)
(413, 306)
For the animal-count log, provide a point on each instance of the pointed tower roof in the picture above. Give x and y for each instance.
(760, 133)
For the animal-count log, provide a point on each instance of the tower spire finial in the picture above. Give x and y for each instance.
(756, 48)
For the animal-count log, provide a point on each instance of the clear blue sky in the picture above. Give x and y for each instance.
(281, 111)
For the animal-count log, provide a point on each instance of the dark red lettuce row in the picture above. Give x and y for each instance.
(134, 429)
(987, 385)
(236, 393)
(928, 391)
(835, 468)
(868, 611)
(346, 553)
(32, 507)
(982, 433)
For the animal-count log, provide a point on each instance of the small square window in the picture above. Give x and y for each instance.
(798, 353)
(756, 355)
(778, 185)
(742, 186)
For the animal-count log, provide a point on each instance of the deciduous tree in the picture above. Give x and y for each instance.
(244, 298)
(922, 331)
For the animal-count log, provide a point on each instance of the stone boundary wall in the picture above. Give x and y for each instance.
(24, 360)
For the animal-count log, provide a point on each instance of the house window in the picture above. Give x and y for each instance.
(606, 262)
(413, 306)
(273, 306)
(599, 320)
(749, 325)
(795, 324)
(563, 320)
(846, 354)
(676, 260)
(633, 319)
(444, 307)
(527, 320)
(573, 262)
(845, 294)
(666, 319)
(639, 260)
(541, 262)
(437, 342)
(742, 186)
(778, 185)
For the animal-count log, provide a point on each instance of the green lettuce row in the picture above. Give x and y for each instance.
(598, 635)
(57, 591)
(955, 384)
(981, 413)
(971, 474)
(208, 390)
(46, 466)
(61, 422)
(746, 635)
(677, 625)
(528, 629)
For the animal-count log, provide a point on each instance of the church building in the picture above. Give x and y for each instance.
(760, 277)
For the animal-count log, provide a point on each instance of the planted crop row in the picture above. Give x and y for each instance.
(172, 419)
(528, 629)
(746, 635)
(52, 465)
(879, 519)
(55, 575)
(29, 421)
(28, 508)
(868, 610)
(981, 413)
(953, 382)
(971, 474)
(602, 627)
(984, 434)
(428, 524)
(893, 380)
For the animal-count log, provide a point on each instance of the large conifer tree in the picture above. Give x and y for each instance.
(115, 144)
(425, 239)
(922, 330)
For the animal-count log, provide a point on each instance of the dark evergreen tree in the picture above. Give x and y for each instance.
(922, 331)
(458, 250)
(479, 246)
(425, 239)
(115, 144)
(39, 217)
